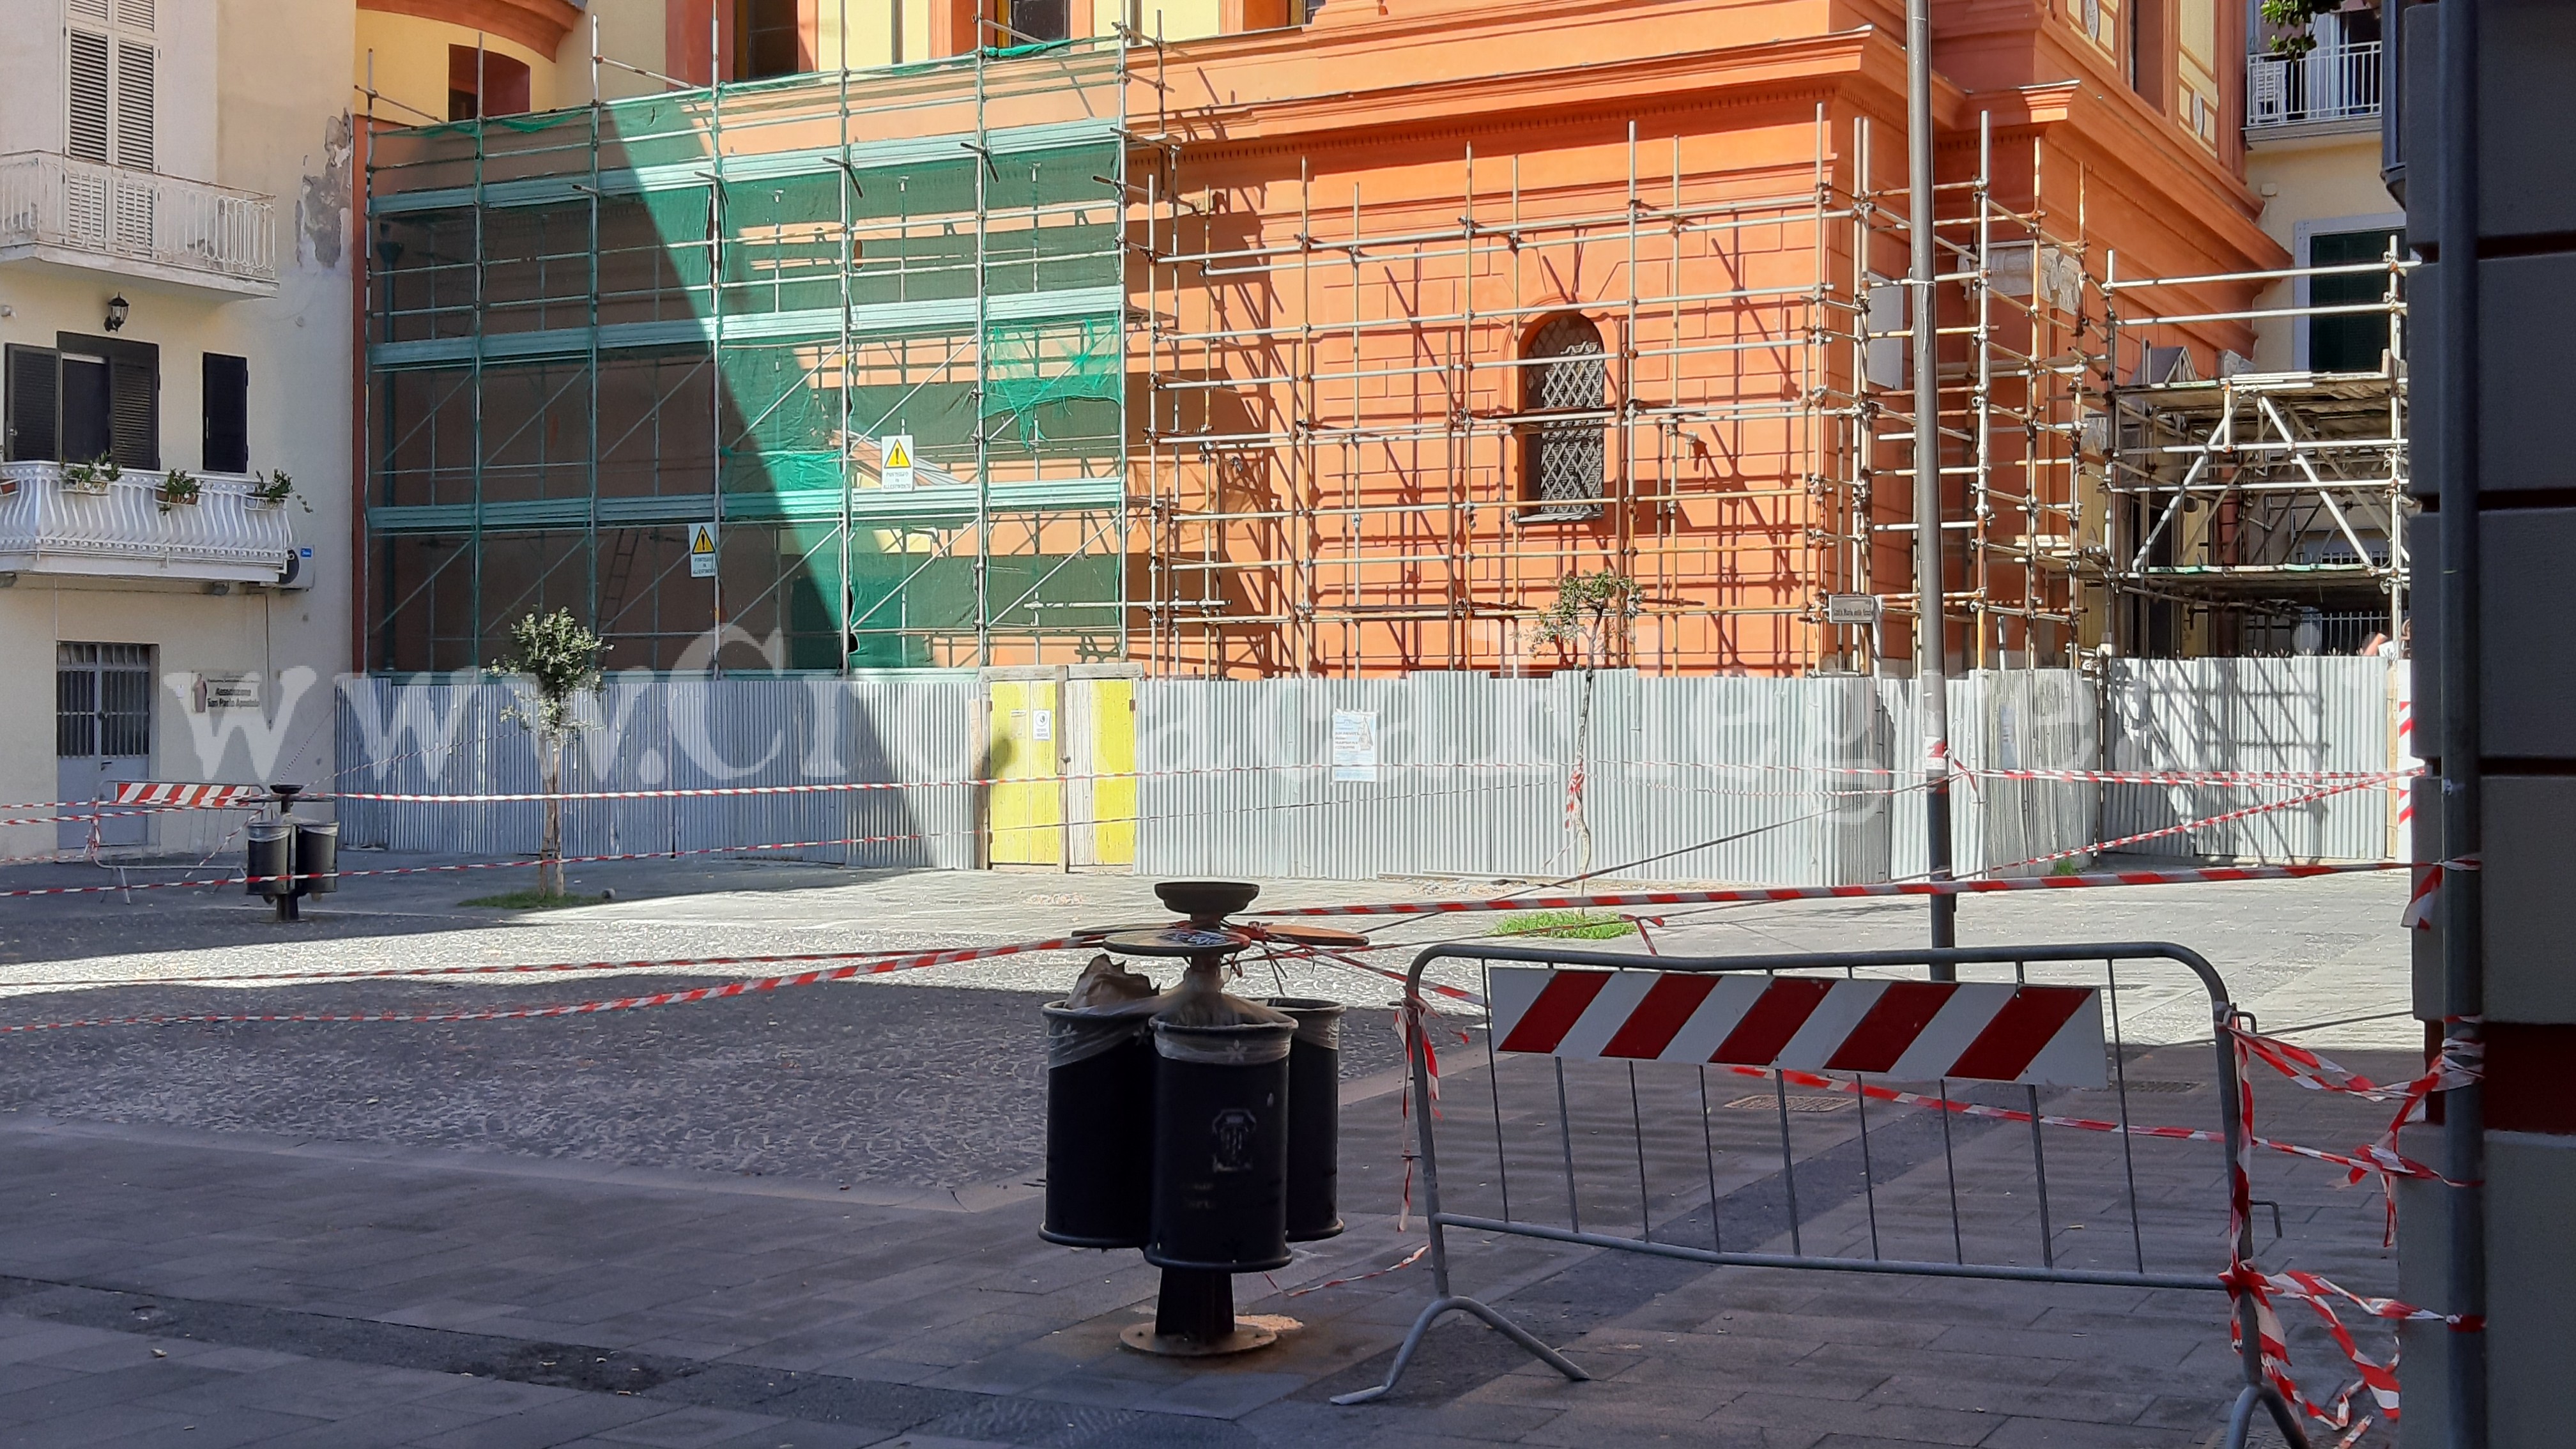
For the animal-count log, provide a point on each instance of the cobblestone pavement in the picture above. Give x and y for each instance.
(2298, 953)
(937, 1087)
(806, 1218)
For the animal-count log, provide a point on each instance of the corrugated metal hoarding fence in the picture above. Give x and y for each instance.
(644, 733)
(1779, 781)
(2318, 713)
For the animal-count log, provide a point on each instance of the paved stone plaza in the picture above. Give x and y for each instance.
(808, 1218)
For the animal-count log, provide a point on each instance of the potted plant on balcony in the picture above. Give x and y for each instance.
(91, 477)
(177, 487)
(272, 488)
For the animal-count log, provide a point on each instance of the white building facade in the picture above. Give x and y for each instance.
(177, 316)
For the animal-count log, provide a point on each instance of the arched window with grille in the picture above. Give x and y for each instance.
(1565, 371)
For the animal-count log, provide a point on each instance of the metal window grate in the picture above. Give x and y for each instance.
(102, 700)
(1568, 372)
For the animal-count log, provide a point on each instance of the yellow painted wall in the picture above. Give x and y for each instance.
(2309, 179)
(633, 31)
(411, 66)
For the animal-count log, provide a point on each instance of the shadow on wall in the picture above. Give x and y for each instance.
(654, 736)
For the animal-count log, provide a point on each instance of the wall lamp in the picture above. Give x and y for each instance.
(117, 307)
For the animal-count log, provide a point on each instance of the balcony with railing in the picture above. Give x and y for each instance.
(131, 223)
(55, 520)
(2338, 82)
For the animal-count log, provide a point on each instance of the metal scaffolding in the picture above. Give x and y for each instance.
(594, 333)
(1377, 421)
(1341, 418)
(2258, 512)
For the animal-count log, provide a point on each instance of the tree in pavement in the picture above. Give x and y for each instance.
(1588, 619)
(553, 663)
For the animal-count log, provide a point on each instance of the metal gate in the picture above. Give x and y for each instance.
(102, 737)
(1625, 1067)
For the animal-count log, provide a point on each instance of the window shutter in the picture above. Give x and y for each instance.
(134, 414)
(86, 128)
(134, 105)
(86, 435)
(33, 373)
(227, 414)
(132, 14)
(88, 10)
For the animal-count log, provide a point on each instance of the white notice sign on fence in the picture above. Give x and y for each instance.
(702, 550)
(894, 466)
(1355, 744)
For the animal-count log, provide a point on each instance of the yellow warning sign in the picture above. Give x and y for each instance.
(894, 473)
(702, 550)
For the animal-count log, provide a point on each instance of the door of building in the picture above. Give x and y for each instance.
(1060, 751)
(102, 734)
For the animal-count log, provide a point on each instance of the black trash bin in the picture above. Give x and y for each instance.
(1314, 1117)
(1221, 1143)
(1100, 1124)
(317, 857)
(271, 865)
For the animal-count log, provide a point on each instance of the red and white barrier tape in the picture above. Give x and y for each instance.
(878, 967)
(423, 973)
(2180, 876)
(2425, 899)
(2279, 779)
(2188, 826)
(1407, 1261)
(469, 865)
(2244, 1279)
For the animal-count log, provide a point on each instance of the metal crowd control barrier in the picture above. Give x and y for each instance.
(2019, 1020)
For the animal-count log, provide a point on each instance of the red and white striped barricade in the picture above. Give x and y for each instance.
(1627, 1118)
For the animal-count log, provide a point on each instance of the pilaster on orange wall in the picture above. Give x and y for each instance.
(1235, 17)
(953, 24)
(688, 29)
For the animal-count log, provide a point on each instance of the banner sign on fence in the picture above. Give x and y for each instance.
(1915, 1031)
(1354, 745)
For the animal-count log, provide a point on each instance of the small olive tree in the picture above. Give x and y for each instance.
(1588, 619)
(559, 661)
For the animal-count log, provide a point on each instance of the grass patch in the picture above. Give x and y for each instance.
(1567, 925)
(535, 901)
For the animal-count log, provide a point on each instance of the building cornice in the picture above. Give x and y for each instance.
(1862, 67)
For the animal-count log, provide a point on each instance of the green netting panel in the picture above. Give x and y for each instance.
(1035, 369)
(783, 243)
(782, 408)
(661, 130)
(897, 594)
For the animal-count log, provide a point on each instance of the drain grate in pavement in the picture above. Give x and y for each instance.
(1796, 1104)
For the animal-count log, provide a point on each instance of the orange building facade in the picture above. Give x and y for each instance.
(1427, 307)
(1463, 300)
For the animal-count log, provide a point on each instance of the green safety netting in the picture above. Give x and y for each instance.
(838, 275)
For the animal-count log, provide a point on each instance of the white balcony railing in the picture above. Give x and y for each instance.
(2330, 83)
(123, 531)
(112, 214)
